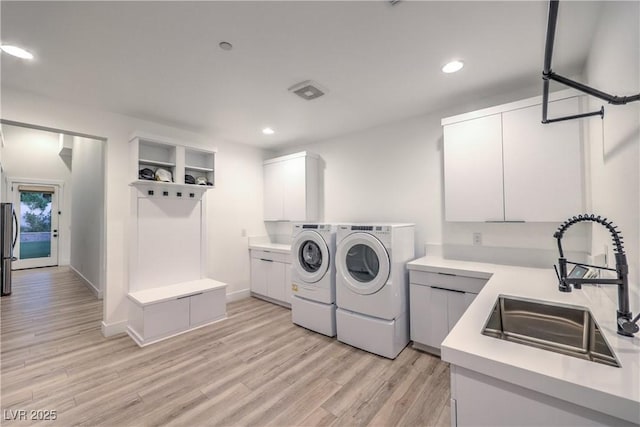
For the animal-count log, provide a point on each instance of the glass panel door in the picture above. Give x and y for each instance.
(37, 211)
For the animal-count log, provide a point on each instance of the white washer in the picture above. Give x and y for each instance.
(313, 275)
(372, 286)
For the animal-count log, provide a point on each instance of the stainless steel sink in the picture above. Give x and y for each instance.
(562, 329)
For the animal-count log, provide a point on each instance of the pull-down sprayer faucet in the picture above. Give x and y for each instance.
(626, 325)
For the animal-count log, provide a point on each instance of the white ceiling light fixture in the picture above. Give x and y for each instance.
(16, 51)
(452, 67)
(268, 131)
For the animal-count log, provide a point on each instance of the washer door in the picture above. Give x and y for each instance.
(363, 263)
(311, 256)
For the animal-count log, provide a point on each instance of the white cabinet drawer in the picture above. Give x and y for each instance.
(447, 281)
(166, 317)
(207, 307)
(271, 256)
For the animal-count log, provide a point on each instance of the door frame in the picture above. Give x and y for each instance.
(13, 182)
(103, 291)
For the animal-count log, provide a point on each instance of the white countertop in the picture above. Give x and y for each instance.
(271, 247)
(614, 391)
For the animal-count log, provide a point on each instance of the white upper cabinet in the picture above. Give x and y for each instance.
(291, 188)
(473, 170)
(542, 163)
(273, 191)
(503, 164)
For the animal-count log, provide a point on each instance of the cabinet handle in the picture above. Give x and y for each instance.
(267, 260)
(520, 221)
(447, 274)
(448, 290)
(189, 296)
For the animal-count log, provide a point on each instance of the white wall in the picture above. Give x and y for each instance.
(234, 210)
(2, 174)
(613, 66)
(33, 154)
(87, 210)
(394, 173)
(242, 209)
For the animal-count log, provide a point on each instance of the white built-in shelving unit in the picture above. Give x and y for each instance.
(169, 292)
(179, 159)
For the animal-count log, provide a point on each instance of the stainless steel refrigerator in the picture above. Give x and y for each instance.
(8, 236)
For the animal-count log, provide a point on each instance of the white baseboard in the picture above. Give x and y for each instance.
(116, 328)
(238, 295)
(93, 288)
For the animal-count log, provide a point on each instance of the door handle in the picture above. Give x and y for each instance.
(15, 230)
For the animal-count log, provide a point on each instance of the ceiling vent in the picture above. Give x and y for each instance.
(308, 90)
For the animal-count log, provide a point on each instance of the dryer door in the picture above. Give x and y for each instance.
(311, 256)
(363, 263)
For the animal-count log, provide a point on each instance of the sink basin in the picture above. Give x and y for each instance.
(562, 329)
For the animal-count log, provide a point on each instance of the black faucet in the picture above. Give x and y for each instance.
(626, 325)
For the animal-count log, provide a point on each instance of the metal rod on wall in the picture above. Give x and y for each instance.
(548, 74)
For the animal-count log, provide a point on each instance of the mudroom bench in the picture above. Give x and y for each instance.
(159, 313)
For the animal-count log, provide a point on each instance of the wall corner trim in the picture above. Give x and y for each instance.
(238, 295)
(116, 328)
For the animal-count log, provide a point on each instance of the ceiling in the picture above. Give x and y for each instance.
(160, 61)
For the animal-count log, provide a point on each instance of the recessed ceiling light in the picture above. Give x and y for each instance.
(268, 131)
(452, 67)
(16, 51)
(225, 45)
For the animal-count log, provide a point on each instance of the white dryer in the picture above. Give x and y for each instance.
(372, 286)
(313, 276)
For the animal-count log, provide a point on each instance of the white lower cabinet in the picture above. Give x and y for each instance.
(271, 276)
(474, 394)
(205, 307)
(437, 302)
(165, 318)
(159, 313)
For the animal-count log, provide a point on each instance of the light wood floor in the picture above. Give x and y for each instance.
(255, 368)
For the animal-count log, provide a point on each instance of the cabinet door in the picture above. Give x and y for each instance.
(273, 191)
(428, 310)
(287, 283)
(419, 312)
(439, 316)
(473, 170)
(542, 164)
(295, 189)
(165, 318)
(276, 280)
(457, 304)
(207, 307)
(259, 270)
